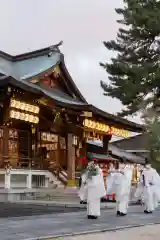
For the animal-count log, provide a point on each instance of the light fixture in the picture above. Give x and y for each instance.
(75, 140)
(24, 106)
(9, 89)
(105, 128)
(24, 116)
(50, 137)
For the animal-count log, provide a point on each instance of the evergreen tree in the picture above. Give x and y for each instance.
(134, 74)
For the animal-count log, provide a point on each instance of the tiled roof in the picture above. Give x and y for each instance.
(28, 65)
(25, 66)
(57, 95)
(138, 142)
(104, 157)
(28, 68)
(118, 152)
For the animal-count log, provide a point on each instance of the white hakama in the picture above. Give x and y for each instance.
(148, 199)
(83, 189)
(122, 205)
(148, 192)
(123, 189)
(93, 208)
(156, 188)
(110, 183)
(139, 191)
(95, 191)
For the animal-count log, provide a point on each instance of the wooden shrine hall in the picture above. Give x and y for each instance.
(45, 121)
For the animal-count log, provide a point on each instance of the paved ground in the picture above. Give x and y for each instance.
(17, 210)
(141, 233)
(21, 228)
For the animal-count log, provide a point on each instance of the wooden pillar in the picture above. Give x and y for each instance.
(57, 152)
(106, 139)
(70, 160)
(5, 145)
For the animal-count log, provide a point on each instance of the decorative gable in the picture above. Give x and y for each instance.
(54, 79)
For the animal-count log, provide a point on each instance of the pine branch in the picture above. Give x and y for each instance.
(135, 71)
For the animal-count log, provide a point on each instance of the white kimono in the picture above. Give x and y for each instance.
(148, 190)
(139, 193)
(156, 188)
(95, 191)
(123, 188)
(111, 181)
(83, 189)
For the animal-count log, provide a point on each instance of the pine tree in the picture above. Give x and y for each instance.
(134, 74)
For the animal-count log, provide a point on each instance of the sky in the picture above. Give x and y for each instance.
(28, 25)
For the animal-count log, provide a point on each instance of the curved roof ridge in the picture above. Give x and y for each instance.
(31, 54)
(50, 51)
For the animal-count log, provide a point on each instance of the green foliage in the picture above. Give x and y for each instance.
(135, 71)
(92, 171)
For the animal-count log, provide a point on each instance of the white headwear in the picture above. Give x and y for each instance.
(90, 163)
(148, 166)
(121, 165)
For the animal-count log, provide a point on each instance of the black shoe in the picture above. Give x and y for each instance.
(118, 213)
(122, 214)
(84, 202)
(81, 202)
(148, 212)
(93, 217)
(89, 217)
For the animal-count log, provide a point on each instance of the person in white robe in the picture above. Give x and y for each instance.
(148, 183)
(122, 186)
(155, 186)
(83, 189)
(110, 179)
(95, 190)
(82, 193)
(140, 188)
(129, 174)
(101, 183)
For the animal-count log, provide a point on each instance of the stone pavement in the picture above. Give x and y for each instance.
(69, 203)
(65, 204)
(8, 210)
(63, 224)
(149, 232)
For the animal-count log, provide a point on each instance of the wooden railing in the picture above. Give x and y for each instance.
(15, 162)
(21, 162)
(35, 164)
(58, 171)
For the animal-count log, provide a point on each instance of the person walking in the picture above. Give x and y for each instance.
(83, 188)
(122, 186)
(148, 183)
(156, 187)
(95, 189)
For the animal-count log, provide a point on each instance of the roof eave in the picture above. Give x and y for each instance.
(128, 125)
(10, 80)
